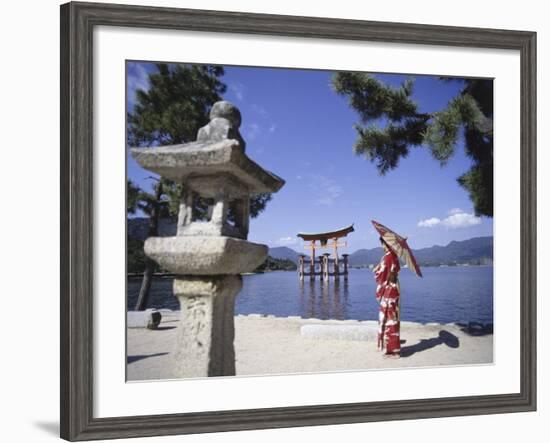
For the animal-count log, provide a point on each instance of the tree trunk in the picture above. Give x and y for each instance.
(145, 289)
(144, 292)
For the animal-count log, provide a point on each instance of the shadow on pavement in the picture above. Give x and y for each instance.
(444, 338)
(134, 358)
(476, 329)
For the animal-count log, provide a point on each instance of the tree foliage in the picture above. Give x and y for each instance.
(391, 124)
(138, 199)
(276, 264)
(176, 104)
(171, 111)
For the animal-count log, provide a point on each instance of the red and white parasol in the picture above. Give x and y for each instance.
(399, 246)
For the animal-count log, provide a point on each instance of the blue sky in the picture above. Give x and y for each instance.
(298, 128)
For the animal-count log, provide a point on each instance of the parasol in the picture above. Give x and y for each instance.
(399, 246)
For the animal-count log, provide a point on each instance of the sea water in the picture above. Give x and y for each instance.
(443, 295)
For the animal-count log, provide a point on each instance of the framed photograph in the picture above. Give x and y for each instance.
(272, 221)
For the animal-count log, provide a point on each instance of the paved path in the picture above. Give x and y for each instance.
(272, 345)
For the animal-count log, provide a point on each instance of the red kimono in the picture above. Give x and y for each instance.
(387, 294)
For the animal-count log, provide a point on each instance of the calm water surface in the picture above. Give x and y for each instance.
(444, 295)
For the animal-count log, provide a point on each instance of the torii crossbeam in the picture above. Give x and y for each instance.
(323, 240)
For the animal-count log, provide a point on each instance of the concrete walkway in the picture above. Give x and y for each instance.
(272, 345)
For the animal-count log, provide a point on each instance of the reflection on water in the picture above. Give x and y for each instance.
(324, 299)
(445, 295)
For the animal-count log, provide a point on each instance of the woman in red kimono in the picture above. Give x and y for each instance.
(387, 294)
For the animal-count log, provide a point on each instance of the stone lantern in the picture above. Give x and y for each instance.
(209, 255)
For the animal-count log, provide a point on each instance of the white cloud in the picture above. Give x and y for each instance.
(261, 114)
(461, 220)
(326, 189)
(429, 222)
(238, 90)
(286, 241)
(457, 219)
(251, 131)
(259, 110)
(455, 211)
(332, 193)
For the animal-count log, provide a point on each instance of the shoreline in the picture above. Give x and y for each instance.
(357, 268)
(269, 345)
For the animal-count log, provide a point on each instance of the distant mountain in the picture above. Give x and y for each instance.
(284, 253)
(477, 250)
(474, 251)
(277, 264)
(364, 257)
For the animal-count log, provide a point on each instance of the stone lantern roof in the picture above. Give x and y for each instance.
(218, 151)
(207, 158)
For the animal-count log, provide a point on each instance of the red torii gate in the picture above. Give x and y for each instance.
(326, 240)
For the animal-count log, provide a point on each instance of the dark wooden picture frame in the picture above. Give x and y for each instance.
(77, 24)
